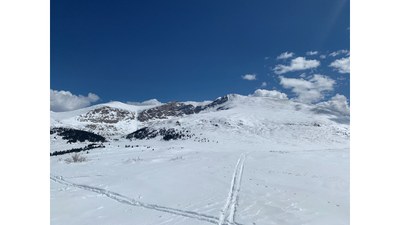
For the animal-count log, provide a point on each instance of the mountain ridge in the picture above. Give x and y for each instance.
(265, 118)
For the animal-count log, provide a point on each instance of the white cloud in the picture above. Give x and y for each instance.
(339, 52)
(249, 77)
(299, 63)
(147, 102)
(341, 65)
(311, 90)
(322, 56)
(312, 53)
(285, 55)
(264, 84)
(303, 75)
(337, 103)
(268, 93)
(66, 101)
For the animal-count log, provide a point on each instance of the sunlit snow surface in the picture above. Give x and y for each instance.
(264, 161)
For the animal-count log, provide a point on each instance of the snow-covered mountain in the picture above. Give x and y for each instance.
(263, 117)
(259, 159)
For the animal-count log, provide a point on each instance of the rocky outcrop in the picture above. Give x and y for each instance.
(217, 103)
(107, 115)
(171, 109)
(174, 109)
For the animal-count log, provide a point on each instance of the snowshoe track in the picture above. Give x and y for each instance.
(130, 201)
(227, 215)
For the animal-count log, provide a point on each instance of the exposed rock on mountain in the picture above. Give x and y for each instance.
(179, 109)
(269, 118)
(168, 110)
(218, 102)
(106, 114)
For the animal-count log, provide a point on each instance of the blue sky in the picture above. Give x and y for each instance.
(198, 49)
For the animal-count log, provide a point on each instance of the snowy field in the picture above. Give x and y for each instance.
(202, 184)
(275, 165)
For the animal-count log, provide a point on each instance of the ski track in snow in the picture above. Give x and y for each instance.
(130, 201)
(233, 196)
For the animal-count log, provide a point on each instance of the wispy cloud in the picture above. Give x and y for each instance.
(285, 55)
(147, 102)
(341, 65)
(339, 52)
(299, 63)
(264, 84)
(66, 101)
(249, 77)
(311, 90)
(312, 53)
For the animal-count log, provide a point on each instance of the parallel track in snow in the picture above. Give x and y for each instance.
(227, 215)
(130, 201)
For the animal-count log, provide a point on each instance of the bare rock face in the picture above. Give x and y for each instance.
(102, 128)
(217, 103)
(174, 109)
(107, 115)
(168, 110)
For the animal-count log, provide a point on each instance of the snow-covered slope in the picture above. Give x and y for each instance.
(110, 119)
(261, 117)
(236, 160)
